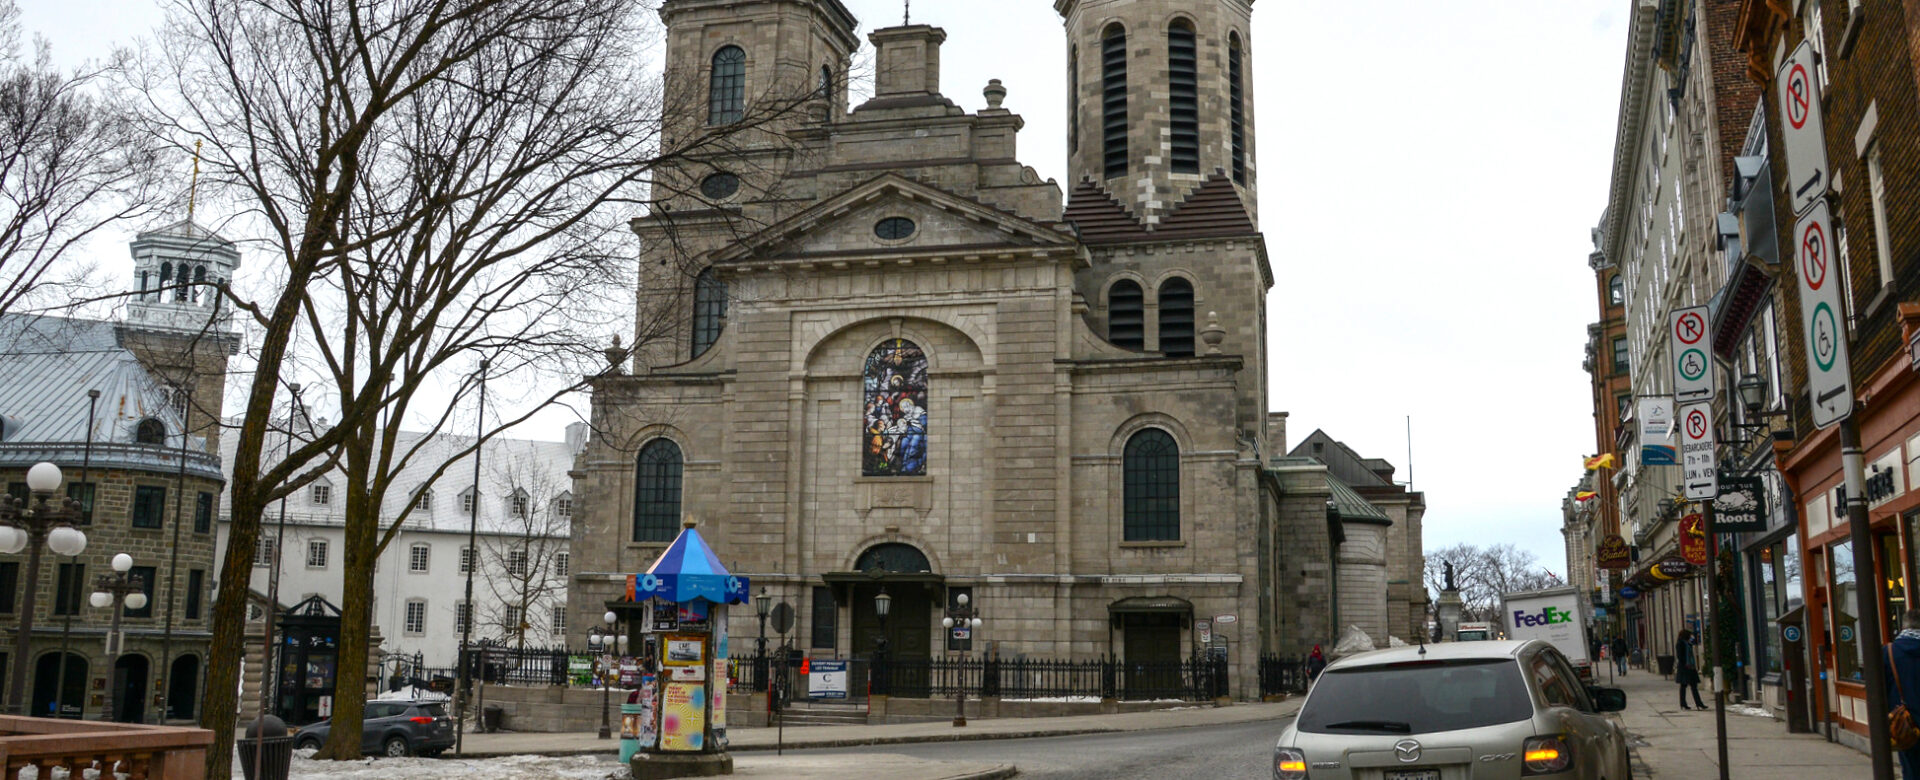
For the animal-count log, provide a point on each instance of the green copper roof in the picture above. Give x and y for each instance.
(1351, 506)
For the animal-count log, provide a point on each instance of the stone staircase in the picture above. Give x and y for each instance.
(804, 713)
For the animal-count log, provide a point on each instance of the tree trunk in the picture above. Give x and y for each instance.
(356, 596)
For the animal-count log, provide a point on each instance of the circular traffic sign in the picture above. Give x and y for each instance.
(1825, 337)
(1846, 633)
(1696, 424)
(1799, 96)
(1791, 633)
(1690, 327)
(1813, 255)
(1692, 365)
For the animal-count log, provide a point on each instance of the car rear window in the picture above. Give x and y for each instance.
(1420, 697)
(433, 710)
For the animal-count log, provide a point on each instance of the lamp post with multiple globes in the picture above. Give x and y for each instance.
(960, 615)
(44, 520)
(121, 590)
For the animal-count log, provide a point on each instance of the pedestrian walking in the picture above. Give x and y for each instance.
(1619, 648)
(1686, 669)
(1903, 682)
(1315, 662)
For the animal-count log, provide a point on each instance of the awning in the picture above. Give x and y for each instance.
(1151, 604)
(688, 570)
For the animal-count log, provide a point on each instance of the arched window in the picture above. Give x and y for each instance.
(893, 557)
(1152, 476)
(143, 285)
(727, 93)
(166, 276)
(150, 431)
(709, 310)
(826, 81)
(1183, 84)
(1616, 291)
(656, 497)
(1113, 101)
(1176, 317)
(1127, 315)
(894, 432)
(1237, 105)
(199, 278)
(1073, 98)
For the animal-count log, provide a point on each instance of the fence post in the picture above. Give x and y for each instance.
(1109, 684)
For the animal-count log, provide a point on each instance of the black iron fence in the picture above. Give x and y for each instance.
(530, 666)
(1191, 679)
(1281, 675)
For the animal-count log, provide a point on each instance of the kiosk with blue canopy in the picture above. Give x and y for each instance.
(681, 723)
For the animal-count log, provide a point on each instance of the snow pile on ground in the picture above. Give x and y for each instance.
(1749, 711)
(411, 693)
(1354, 641)
(509, 768)
(1057, 699)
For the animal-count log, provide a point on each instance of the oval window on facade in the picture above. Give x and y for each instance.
(720, 186)
(894, 228)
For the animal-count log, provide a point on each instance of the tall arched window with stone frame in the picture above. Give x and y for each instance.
(1183, 96)
(1150, 470)
(894, 418)
(1113, 101)
(709, 310)
(1127, 315)
(727, 87)
(656, 491)
(1176, 317)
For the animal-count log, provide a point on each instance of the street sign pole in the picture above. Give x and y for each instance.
(1878, 732)
(1713, 635)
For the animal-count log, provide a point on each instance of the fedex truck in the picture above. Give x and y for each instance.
(1473, 632)
(1553, 615)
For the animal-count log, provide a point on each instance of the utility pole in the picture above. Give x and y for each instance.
(1870, 594)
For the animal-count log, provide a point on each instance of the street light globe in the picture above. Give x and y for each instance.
(12, 540)
(946, 622)
(976, 622)
(67, 541)
(136, 601)
(961, 599)
(610, 618)
(99, 600)
(123, 563)
(43, 478)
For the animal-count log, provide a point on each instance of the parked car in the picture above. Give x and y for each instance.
(1497, 710)
(392, 728)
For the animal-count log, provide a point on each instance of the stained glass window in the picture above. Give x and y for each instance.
(895, 423)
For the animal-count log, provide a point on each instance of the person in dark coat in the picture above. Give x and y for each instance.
(1315, 663)
(1619, 650)
(1686, 669)
(1903, 655)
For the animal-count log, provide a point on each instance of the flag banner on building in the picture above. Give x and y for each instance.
(1742, 505)
(1600, 462)
(1614, 553)
(1656, 432)
(1584, 495)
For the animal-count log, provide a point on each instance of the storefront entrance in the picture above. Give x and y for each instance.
(72, 695)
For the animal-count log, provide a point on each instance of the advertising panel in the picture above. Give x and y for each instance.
(683, 717)
(1656, 432)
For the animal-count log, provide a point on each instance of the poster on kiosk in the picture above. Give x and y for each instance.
(683, 599)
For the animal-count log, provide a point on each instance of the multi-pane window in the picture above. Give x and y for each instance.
(1183, 86)
(563, 507)
(150, 431)
(83, 493)
(1616, 291)
(424, 501)
(1176, 317)
(709, 310)
(825, 619)
(1237, 105)
(1877, 188)
(203, 513)
(466, 559)
(69, 586)
(466, 501)
(894, 425)
(1113, 101)
(461, 612)
(517, 562)
(316, 553)
(418, 556)
(727, 96)
(511, 618)
(147, 576)
(416, 616)
(1620, 355)
(559, 620)
(322, 495)
(656, 506)
(562, 563)
(519, 503)
(196, 590)
(265, 550)
(1151, 472)
(1127, 315)
(149, 506)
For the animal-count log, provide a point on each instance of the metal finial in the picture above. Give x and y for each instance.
(907, 19)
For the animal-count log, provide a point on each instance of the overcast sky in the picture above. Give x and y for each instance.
(1429, 172)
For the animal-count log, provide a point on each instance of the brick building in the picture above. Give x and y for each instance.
(897, 358)
(152, 466)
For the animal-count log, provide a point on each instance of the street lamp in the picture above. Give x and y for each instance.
(762, 604)
(599, 640)
(882, 604)
(121, 591)
(607, 645)
(27, 528)
(960, 615)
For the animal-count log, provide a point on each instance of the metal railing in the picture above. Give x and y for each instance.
(1281, 675)
(1196, 678)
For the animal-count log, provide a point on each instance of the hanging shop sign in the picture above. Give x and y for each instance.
(1693, 539)
(1742, 505)
(1672, 569)
(1656, 432)
(1629, 593)
(1614, 553)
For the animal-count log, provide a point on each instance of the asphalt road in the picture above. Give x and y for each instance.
(1238, 752)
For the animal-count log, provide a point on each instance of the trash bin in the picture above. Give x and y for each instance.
(1666, 664)
(492, 717)
(630, 715)
(275, 749)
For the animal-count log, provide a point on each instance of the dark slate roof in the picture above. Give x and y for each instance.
(1212, 210)
(1341, 460)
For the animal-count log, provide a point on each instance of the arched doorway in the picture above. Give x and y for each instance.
(904, 572)
(71, 696)
(183, 688)
(130, 689)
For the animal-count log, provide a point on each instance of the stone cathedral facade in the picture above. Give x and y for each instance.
(877, 352)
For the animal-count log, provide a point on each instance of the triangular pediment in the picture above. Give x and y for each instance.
(849, 225)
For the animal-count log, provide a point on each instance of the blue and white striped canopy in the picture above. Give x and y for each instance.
(688, 570)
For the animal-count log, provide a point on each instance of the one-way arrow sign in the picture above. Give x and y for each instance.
(1702, 480)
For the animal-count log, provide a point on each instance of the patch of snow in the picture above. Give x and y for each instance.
(411, 693)
(1053, 699)
(508, 768)
(1749, 711)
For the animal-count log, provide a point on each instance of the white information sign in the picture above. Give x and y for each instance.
(1829, 371)
(1697, 470)
(1806, 139)
(1692, 350)
(827, 679)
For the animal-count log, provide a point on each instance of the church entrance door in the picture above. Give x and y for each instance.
(1151, 666)
(909, 632)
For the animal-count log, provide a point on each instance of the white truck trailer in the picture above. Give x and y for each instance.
(1552, 615)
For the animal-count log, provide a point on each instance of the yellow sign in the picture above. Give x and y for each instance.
(683, 717)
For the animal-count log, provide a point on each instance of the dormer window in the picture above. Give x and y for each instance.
(320, 493)
(150, 431)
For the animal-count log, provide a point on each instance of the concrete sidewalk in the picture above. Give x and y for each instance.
(1674, 743)
(745, 741)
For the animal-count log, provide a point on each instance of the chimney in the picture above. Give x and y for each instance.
(908, 60)
(1277, 433)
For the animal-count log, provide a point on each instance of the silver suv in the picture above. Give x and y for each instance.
(1455, 711)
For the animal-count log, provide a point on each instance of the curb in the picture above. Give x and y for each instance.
(996, 773)
(820, 744)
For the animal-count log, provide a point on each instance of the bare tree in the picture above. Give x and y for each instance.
(71, 164)
(1485, 574)
(520, 555)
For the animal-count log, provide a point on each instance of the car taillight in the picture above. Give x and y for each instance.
(1289, 764)
(1545, 755)
(421, 719)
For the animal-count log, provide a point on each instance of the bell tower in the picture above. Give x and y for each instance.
(768, 65)
(1160, 101)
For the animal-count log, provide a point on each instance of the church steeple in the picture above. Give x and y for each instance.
(1160, 103)
(176, 274)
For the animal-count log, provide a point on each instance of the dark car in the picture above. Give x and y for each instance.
(392, 728)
